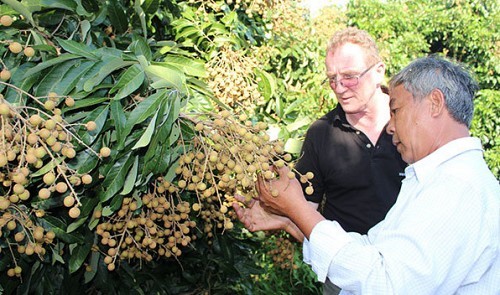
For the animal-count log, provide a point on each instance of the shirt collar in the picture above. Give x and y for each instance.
(424, 167)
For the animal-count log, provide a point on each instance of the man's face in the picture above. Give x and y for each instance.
(409, 125)
(349, 60)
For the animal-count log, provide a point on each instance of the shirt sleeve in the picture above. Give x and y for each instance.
(429, 245)
(327, 238)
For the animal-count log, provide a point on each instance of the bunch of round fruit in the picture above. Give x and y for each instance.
(232, 79)
(282, 251)
(157, 224)
(36, 144)
(224, 158)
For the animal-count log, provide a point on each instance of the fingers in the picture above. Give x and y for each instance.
(282, 171)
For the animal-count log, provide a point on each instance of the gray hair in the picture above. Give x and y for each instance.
(457, 85)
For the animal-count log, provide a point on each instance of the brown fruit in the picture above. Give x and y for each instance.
(5, 75)
(105, 152)
(61, 187)
(29, 51)
(6, 20)
(86, 179)
(49, 178)
(74, 212)
(91, 125)
(4, 109)
(69, 201)
(69, 101)
(15, 47)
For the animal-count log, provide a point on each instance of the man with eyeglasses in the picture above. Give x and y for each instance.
(357, 170)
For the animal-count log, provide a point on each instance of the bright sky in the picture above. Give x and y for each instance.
(316, 5)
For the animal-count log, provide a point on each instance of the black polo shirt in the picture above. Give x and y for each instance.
(360, 181)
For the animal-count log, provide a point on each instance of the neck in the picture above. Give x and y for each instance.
(373, 118)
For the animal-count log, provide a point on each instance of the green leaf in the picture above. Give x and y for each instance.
(267, 84)
(78, 256)
(119, 119)
(53, 78)
(51, 62)
(115, 178)
(59, 228)
(146, 136)
(141, 48)
(128, 82)
(143, 111)
(77, 48)
(117, 16)
(56, 257)
(89, 275)
(189, 66)
(75, 225)
(109, 66)
(170, 76)
(72, 77)
(293, 145)
(131, 177)
(300, 122)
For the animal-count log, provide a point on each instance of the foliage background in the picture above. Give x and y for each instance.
(136, 67)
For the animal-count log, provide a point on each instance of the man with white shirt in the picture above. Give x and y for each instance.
(442, 235)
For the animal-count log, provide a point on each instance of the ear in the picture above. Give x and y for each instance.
(437, 102)
(380, 70)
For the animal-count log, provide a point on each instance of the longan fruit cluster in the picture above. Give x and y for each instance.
(287, 18)
(282, 252)
(224, 158)
(22, 235)
(155, 225)
(14, 47)
(37, 143)
(232, 79)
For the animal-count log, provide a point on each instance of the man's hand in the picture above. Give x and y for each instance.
(281, 196)
(255, 218)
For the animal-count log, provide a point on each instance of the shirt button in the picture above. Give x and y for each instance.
(368, 145)
(357, 132)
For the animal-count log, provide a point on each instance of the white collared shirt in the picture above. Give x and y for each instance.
(441, 236)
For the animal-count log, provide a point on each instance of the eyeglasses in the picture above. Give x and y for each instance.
(348, 80)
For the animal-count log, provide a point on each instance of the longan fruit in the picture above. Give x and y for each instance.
(91, 126)
(4, 109)
(15, 47)
(70, 153)
(36, 120)
(6, 20)
(3, 160)
(19, 237)
(86, 179)
(49, 105)
(29, 51)
(309, 190)
(52, 96)
(49, 178)
(74, 212)
(69, 101)
(5, 75)
(69, 201)
(105, 152)
(310, 175)
(61, 187)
